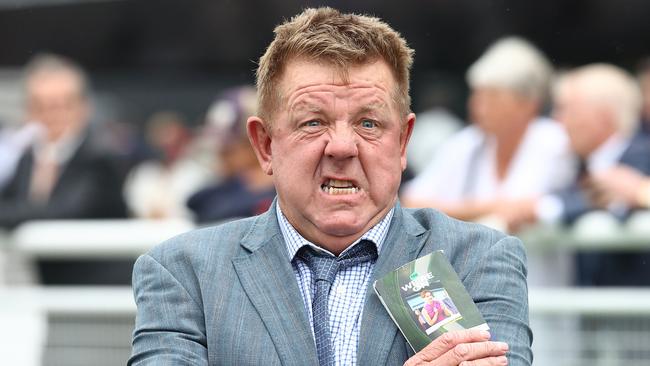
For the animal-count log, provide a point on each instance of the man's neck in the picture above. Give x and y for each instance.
(336, 245)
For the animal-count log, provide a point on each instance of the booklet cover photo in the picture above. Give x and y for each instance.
(425, 298)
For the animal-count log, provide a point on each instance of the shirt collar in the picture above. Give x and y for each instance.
(294, 241)
(59, 151)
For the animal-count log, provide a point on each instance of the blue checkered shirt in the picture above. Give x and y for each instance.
(348, 292)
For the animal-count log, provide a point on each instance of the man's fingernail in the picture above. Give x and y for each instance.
(502, 360)
(503, 346)
(485, 334)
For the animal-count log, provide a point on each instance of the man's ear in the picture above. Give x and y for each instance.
(405, 136)
(259, 135)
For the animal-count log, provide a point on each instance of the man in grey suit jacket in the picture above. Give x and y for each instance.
(334, 121)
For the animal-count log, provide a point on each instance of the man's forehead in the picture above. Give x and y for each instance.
(300, 73)
(317, 99)
(323, 93)
(338, 74)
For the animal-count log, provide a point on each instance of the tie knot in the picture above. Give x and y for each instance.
(324, 266)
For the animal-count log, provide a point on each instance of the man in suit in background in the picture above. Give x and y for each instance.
(64, 173)
(332, 128)
(600, 106)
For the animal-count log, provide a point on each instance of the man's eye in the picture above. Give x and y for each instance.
(312, 123)
(366, 123)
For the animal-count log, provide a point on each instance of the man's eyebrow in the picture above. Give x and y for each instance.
(304, 106)
(372, 107)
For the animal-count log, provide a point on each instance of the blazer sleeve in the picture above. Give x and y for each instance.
(170, 326)
(498, 284)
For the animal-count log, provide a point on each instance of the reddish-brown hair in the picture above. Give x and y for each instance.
(329, 36)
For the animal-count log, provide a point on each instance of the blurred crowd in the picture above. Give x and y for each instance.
(546, 147)
(60, 163)
(540, 146)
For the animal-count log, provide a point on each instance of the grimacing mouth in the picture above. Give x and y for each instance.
(339, 187)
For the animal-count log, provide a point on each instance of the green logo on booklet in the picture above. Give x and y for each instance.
(414, 276)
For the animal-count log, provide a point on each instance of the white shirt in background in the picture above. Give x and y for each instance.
(13, 144)
(465, 166)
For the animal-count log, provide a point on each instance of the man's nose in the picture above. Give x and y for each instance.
(342, 143)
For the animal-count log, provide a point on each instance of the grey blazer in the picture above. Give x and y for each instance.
(227, 295)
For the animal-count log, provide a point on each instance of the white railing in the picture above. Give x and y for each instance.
(72, 300)
(118, 300)
(130, 238)
(93, 238)
(597, 230)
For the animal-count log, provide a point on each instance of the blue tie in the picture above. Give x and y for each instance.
(323, 269)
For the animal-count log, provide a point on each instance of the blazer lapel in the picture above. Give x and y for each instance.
(267, 277)
(403, 243)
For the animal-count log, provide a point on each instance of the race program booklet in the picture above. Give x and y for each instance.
(426, 299)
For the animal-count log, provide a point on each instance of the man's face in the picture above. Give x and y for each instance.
(55, 100)
(336, 150)
(588, 124)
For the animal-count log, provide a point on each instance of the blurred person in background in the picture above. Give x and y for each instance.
(62, 174)
(245, 189)
(159, 187)
(600, 105)
(622, 184)
(510, 154)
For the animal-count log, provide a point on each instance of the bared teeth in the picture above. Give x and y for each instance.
(337, 191)
(340, 183)
(336, 187)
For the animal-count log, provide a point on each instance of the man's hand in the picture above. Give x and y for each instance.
(620, 183)
(517, 213)
(464, 347)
